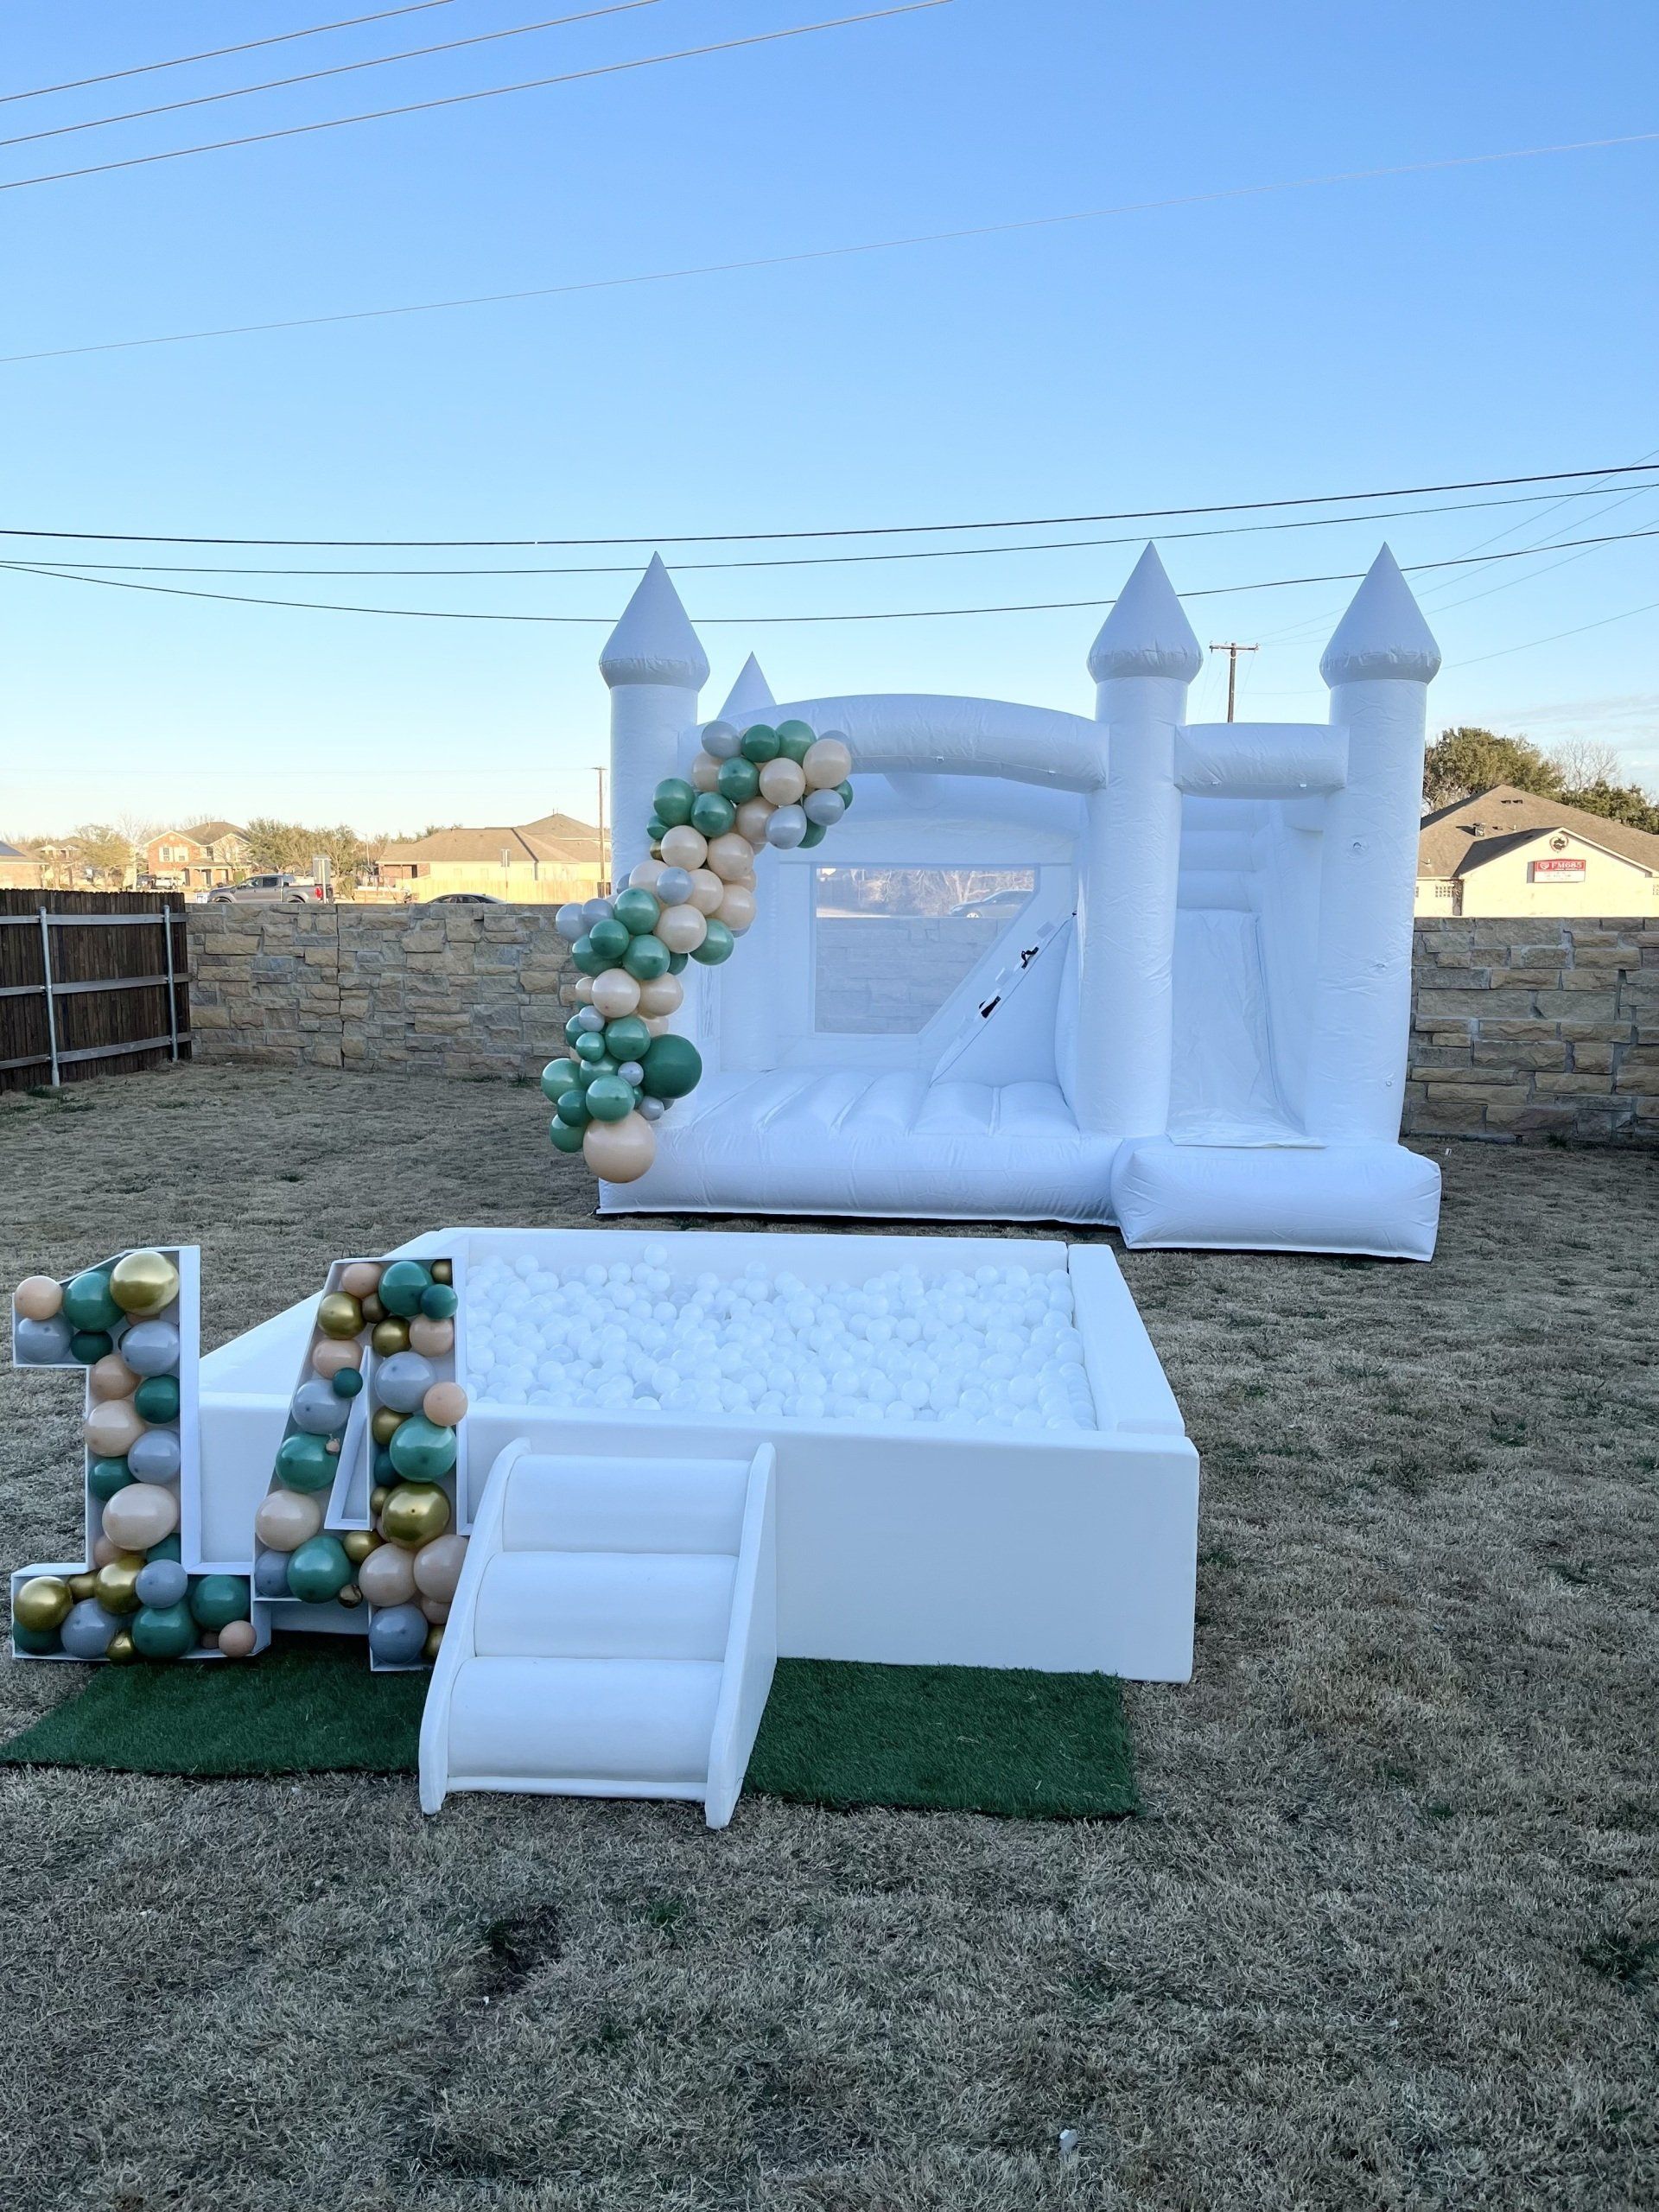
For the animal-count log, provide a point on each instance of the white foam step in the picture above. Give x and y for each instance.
(598, 1504)
(594, 1604)
(549, 1724)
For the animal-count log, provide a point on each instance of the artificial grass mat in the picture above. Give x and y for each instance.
(1010, 1741)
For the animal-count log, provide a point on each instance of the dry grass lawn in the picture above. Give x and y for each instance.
(1386, 1935)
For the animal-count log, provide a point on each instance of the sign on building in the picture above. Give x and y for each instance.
(1557, 871)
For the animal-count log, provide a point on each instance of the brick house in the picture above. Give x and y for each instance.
(197, 858)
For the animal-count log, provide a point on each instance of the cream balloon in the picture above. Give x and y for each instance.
(361, 1279)
(386, 1577)
(141, 1515)
(619, 1152)
(736, 909)
(730, 857)
(616, 993)
(706, 889)
(752, 819)
(285, 1519)
(330, 1356)
(644, 877)
(37, 1298)
(684, 847)
(438, 1565)
(111, 1377)
(705, 773)
(782, 782)
(664, 994)
(826, 763)
(682, 929)
(583, 989)
(436, 1610)
(112, 1429)
(444, 1404)
(237, 1639)
(432, 1339)
(659, 1024)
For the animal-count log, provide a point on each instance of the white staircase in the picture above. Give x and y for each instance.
(613, 1634)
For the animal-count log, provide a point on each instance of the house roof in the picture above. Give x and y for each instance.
(557, 838)
(209, 833)
(13, 852)
(1455, 840)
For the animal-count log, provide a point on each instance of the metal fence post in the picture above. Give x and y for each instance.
(172, 986)
(45, 978)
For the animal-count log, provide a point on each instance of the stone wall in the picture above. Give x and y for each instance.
(1521, 1028)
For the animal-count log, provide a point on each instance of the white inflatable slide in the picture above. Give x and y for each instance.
(1124, 967)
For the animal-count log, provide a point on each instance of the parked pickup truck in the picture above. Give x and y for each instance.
(269, 891)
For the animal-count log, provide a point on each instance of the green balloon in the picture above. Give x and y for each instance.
(401, 1287)
(157, 1397)
(609, 940)
(169, 1548)
(303, 1463)
(572, 1108)
(558, 1075)
(88, 1303)
(218, 1600)
(590, 1047)
(676, 962)
(626, 1038)
(673, 1066)
(712, 815)
(717, 944)
(345, 1381)
(793, 738)
(591, 1070)
(815, 834)
(739, 780)
(36, 1642)
(672, 800)
(610, 1099)
(761, 744)
(656, 830)
(565, 1138)
(421, 1450)
(318, 1570)
(163, 1631)
(573, 1029)
(638, 909)
(846, 792)
(88, 1345)
(106, 1477)
(646, 959)
(586, 960)
(441, 1302)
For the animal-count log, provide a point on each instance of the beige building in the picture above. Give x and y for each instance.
(537, 864)
(19, 871)
(1507, 852)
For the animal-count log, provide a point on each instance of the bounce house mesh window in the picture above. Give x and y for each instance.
(892, 944)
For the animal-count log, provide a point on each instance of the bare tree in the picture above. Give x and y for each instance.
(1582, 761)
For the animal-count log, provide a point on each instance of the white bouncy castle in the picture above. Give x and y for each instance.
(1193, 1019)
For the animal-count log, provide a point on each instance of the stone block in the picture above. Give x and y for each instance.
(1583, 1086)
(1520, 1054)
(1579, 1006)
(1436, 1007)
(1590, 1058)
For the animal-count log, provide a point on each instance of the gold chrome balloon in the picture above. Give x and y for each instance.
(434, 1642)
(414, 1514)
(372, 1309)
(443, 1271)
(357, 1543)
(144, 1283)
(385, 1423)
(351, 1595)
(340, 1315)
(390, 1335)
(112, 1586)
(81, 1586)
(42, 1602)
(378, 1497)
(121, 1647)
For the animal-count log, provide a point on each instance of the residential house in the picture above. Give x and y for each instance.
(538, 863)
(1507, 852)
(19, 870)
(195, 859)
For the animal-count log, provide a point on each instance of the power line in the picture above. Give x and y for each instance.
(845, 560)
(1555, 637)
(217, 53)
(488, 93)
(869, 530)
(64, 574)
(312, 76)
(820, 253)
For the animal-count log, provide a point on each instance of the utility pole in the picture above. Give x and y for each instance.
(1232, 653)
(604, 873)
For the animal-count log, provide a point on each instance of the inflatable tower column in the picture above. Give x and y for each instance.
(1379, 665)
(655, 668)
(1142, 661)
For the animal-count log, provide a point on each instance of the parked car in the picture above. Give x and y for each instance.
(1001, 905)
(269, 891)
(465, 898)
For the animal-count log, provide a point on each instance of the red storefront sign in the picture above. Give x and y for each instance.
(1558, 871)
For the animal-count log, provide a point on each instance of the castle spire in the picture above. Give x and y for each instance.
(1146, 632)
(1383, 634)
(654, 642)
(750, 696)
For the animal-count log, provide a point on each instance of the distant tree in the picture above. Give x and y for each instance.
(1617, 802)
(348, 855)
(1462, 761)
(105, 850)
(274, 845)
(1582, 761)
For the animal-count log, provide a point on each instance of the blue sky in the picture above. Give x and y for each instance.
(1486, 321)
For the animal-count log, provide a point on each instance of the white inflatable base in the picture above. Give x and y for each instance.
(1377, 1199)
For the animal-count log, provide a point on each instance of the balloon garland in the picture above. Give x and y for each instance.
(692, 900)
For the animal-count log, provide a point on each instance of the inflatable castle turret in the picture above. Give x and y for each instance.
(655, 666)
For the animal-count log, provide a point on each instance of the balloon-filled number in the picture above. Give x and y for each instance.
(786, 787)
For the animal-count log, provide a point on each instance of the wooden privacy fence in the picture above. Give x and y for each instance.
(91, 984)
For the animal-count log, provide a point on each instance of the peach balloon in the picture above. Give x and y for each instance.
(616, 993)
(682, 929)
(285, 1519)
(706, 890)
(386, 1577)
(826, 763)
(37, 1298)
(752, 819)
(782, 782)
(429, 1338)
(105, 1554)
(584, 989)
(111, 1377)
(663, 994)
(112, 1429)
(644, 877)
(736, 909)
(659, 1024)
(361, 1279)
(619, 1152)
(141, 1515)
(729, 856)
(333, 1354)
(436, 1610)
(237, 1639)
(683, 847)
(444, 1404)
(438, 1565)
(705, 773)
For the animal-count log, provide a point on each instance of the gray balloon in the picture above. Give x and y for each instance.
(569, 923)
(318, 1410)
(40, 1344)
(630, 1071)
(397, 1635)
(786, 827)
(651, 1109)
(674, 885)
(721, 742)
(151, 1348)
(589, 1017)
(596, 910)
(154, 1457)
(87, 1628)
(162, 1582)
(825, 807)
(270, 1575)
(403, 1381)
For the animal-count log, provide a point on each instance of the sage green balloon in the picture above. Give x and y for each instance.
(676, 962)
(163, 1631)
(711, 814)
(636, 909)
(590, 1047)
(318, 1570)
(590, 1071)
(106, 1477)
(564, 1138)
(846, 790)
(88, 1303)
(646, 959)
(558, 1078)
(586, 959)
(794, 739)
(672, 1067)
(761, 744)
(672, 800)
(157, 1397)
(218, 1600)
(815, 834)
(421, 1452)
(440, 1301)
(626, 1038)
(717, 944)
(305, 1462)
(90, 1346)
(401, 1287)
(738, 780)
(609, 939)
(572, 1108)
(610, 1099)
